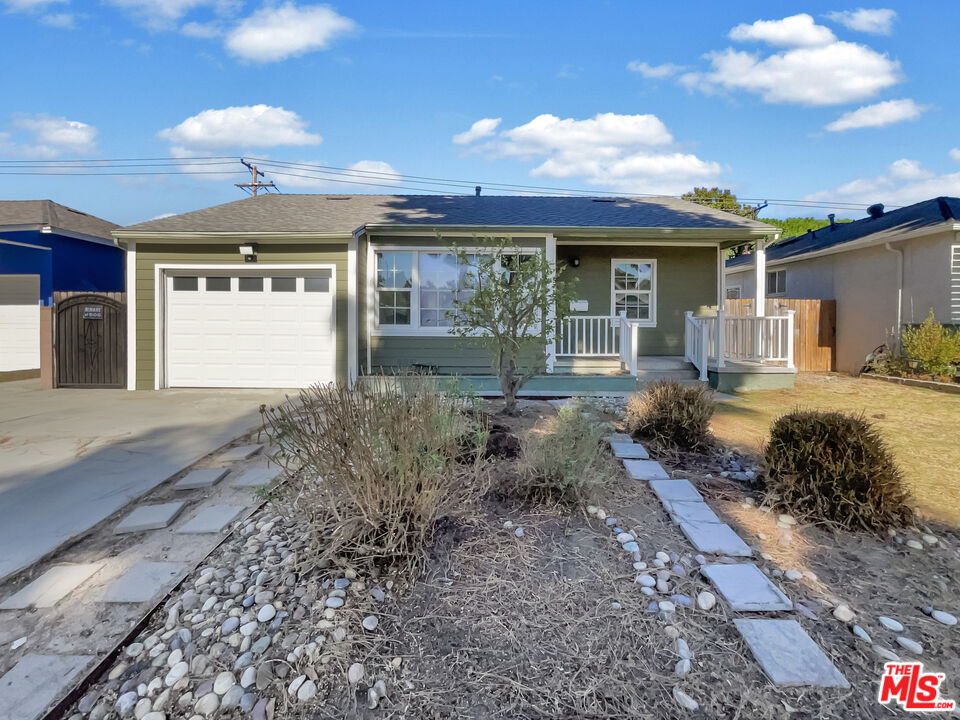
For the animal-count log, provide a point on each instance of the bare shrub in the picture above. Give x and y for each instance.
(567, 463)
(379, 467)
(672, 416)
(835, 467)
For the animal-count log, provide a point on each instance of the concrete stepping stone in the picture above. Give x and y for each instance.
(35, 682)
(201, 478)
(692, 512)
(715, 538)
(645, 470)
(255, 477)
(143, 581)
(618, 438)
(149, 517)
(788, 655)
(51, 587)
(629, 451)
(210, 519)
(241, 452)
(745, 588)
(675, 490)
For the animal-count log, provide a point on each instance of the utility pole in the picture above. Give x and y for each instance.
(255, 185)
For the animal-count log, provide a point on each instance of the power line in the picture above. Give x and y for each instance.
(342, 175)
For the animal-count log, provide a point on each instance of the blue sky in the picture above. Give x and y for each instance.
(817, 102)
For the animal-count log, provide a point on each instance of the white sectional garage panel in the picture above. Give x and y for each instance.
(19, 322)
(266, 328)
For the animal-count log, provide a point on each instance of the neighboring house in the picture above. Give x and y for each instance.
(884, 271)
(287, 290)
(44, 248)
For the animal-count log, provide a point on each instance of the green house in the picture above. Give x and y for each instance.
(288, 290)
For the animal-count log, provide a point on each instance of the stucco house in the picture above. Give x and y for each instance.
(46, 247)
(288, 290)
(884, 271)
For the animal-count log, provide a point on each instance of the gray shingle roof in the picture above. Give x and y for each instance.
(47, 212)
(905, 219)
(344, 213)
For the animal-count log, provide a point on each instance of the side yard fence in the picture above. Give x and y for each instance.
(814, 329)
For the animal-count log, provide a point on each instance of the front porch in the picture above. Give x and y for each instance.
(730, 352)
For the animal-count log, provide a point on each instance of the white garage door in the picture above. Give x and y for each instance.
(272, 329)
(19, 322)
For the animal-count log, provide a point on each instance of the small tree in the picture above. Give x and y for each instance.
(512, 302)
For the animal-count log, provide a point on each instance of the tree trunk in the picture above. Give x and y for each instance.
(509, 385)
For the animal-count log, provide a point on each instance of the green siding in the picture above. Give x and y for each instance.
(149, 255)
(686, 280)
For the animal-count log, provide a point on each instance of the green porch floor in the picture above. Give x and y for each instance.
(540, 386)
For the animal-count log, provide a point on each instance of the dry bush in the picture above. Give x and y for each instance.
(672, 416)
(835, 467)
(567, 463)
(380, 466)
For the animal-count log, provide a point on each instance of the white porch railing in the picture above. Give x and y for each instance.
(743, 338)
(589, 336)
(696, 342)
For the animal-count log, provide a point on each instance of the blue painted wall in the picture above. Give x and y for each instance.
(68, 264)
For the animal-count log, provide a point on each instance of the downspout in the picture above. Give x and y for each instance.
(899, 254)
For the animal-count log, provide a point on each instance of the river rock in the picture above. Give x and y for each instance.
(224, 682)
(843, 613)
(334, 602)
(684, 700)
(176, 673)
(943, 617)
(307, 691)
(267, 613)
(706, 600)
(861, 633)
(207, 705)
(911, 646)
(890, 624)
(645, 580)
(355, 673)
(370, 623)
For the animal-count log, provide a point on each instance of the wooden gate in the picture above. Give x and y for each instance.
(90, 340)
(814, 329)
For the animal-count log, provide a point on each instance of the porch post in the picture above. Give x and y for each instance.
(721, 304)
(721, 336)
(790, 318)
(760, 297)
(551, 251)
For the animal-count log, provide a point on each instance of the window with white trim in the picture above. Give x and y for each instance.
(776, 282)
(416, 289)
(634, 289)
(394, 288)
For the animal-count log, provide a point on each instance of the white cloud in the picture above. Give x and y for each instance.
(203, 31)
(654, 71)
(248, 126)
(903, 183)
(878, 21)
(905, 169)
(46, 137)
(276, 33)
(479, 130)
(955, 154)
(28, 5)
(164, 14)
(833, 74)
(877, 115)
(375, 172)
(626, 153)
(794, 31)
(65, 21)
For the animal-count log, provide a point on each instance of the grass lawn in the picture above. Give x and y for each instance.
(917, 424)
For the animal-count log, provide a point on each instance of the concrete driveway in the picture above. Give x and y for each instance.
(70, 458)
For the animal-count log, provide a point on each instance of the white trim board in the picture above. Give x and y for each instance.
(159, 297)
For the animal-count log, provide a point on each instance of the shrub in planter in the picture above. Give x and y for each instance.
(373, 469)
(567, 463)
(672, 415)
(835, 467)
(932, 346)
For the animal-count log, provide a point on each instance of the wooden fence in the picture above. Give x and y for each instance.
(814, 329)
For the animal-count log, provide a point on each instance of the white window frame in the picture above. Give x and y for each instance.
(414, 328)
(776, 274)
(652, 321)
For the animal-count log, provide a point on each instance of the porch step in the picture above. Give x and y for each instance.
(651, 368)
(588, 366)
